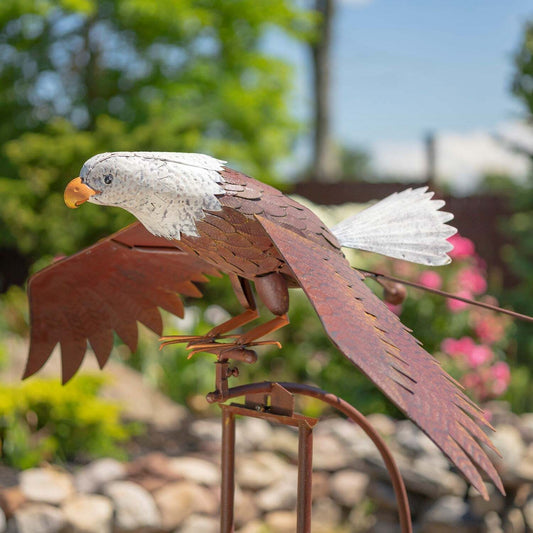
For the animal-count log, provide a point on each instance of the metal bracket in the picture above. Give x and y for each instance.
(280, 409)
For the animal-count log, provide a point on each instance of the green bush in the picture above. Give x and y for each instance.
(42, 420)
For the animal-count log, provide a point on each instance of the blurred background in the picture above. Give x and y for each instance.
(337, 101)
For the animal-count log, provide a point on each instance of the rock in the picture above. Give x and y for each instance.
(328, 453)
(480, 507)
(326, 515)
(344, 430)
(280, 496)
(508, 441)
(492, 523)
(11, 499)
(95, 475)
(355, 441)
(321, 484)
(382, 495)
(89, 513)
(383, 424)
(208, 432)
(500, 413)
(194, 469)
(148, 482)
(245, 507)
(413, 440)
(260, 469)
(449, 514)
(155, 463)
(176, 468)
(252, 433)
(528, 513)
(514, 522)
(526, 427)
(37, 518)
(349, 487)
(200, 524)
(525, 466)
(134, 507)
(46, 485)
(256, 526)
(178, 500)
(431, 478)
(283, 440)
(281, 521)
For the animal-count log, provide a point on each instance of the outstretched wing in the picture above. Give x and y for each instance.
(376, 342)
(108, 286)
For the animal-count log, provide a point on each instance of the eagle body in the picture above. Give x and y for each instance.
(233, 239)
(199, 218)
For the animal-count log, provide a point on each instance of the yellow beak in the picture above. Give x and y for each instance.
(76, 193)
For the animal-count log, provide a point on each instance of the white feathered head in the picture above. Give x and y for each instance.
(168, 192)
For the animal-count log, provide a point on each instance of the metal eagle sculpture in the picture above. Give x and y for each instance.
(199, 217)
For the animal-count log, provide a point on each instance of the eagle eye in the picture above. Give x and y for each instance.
(108, 178)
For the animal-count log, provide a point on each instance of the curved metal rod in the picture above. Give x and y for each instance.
(351, 412)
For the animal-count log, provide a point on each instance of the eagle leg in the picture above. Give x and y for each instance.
(273, 291)
(243, 291)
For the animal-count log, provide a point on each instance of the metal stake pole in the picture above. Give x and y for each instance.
(305, 471)
(228, 471)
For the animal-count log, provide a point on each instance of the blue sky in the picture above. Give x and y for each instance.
(403, 67)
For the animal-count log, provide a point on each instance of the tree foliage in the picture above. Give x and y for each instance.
(79, 77)
(523, 76)
(520, 224)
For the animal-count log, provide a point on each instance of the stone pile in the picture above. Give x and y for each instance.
(351, 491)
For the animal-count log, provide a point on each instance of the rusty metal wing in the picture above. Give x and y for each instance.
(108, 287)
(375, 341)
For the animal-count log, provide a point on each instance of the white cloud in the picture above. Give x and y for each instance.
(462, 158)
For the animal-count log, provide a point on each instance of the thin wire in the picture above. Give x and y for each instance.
(514, 314)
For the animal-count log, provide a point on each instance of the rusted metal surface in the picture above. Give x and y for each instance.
(108, 287)
(265, 237)
(227, 485)
(257, 406)
(383, 349)
(305, 477)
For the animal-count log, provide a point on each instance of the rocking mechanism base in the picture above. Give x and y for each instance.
(275, 402)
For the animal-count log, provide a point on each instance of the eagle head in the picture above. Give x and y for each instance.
(167, 192)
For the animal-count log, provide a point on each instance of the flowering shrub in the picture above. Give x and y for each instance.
(470, 342)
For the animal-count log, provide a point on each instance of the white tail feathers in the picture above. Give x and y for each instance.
(406, 225)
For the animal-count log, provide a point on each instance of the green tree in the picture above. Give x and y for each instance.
(82, 76)
(520, 224)
(523, 76)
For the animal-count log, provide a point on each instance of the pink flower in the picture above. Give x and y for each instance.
(456, 305)
(430, 279)
(489, 329)
(455, 347)
(470, 279)
(501, 376)
(500, 370)
(478, 355)
(462, 247)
